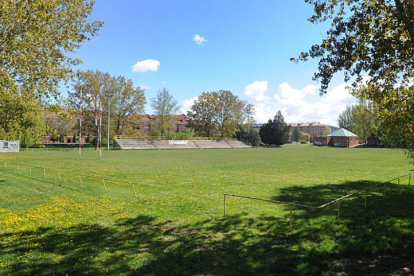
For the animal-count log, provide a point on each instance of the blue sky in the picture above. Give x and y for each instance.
(193, 46)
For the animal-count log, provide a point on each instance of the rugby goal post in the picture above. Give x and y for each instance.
(9, 146)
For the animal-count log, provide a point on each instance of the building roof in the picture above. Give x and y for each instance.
(342, 132)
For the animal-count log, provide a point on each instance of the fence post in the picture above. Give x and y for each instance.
(133, 187)
(30, 169)
(44, 172)
(339, 212)
(103, 182)
(80, 180)
(224, 204)
(291, 218)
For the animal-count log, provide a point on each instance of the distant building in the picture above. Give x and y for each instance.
(339, 138)
(149, 122)
(313, 129)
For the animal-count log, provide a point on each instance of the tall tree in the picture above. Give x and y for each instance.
(202, 114)
(220, 113)
(365, 121)
(165, 107)
(373, 37)
(229, 112)
(91, 89)
(346, 118)
(35, 39)
(275, 132)
(127, 103)
(296, 134)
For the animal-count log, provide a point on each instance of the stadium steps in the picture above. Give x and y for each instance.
(212, 144)
(140, 144)
(176, 144)
(237, 144)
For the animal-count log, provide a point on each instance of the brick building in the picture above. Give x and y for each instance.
(313, 129)
(148, 122)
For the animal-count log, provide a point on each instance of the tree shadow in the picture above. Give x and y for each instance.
(377, 240)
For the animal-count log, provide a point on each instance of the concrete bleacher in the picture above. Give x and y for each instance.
(141, 144)
(212, 144)
(175, 144)
(235, 144)
(145, 144)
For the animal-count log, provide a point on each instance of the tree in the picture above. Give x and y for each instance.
(346, 118)
(202, 114)
(35, 39)
(220, 113)
(375, 38)
(365, 121)
(127, 103)
(326, 132)
(88, 96)
(165, 107)
(296, 134)
(229, 112)
(275, 132)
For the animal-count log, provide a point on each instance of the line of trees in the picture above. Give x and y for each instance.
(220, 114)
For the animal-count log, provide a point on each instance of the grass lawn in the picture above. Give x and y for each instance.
(175, 225)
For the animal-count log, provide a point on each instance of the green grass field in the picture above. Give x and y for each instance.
(175, 224)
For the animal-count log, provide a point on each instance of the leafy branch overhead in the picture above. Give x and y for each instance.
(366, 37)
(35, 39)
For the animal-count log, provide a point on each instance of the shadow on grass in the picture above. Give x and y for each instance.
(378, 240)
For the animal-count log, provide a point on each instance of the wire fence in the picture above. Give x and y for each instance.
(48, 173)
(292, 205)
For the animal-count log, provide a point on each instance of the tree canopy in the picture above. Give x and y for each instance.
(36, 38)
(275, 132)
(165, 107)
(372, 42)
(220, 113)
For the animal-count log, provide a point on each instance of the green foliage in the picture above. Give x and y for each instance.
(21, 118)
(165, 107)
(253, 138)
(220, 113)
(296, 134)
(35, 39)
(93, 90)
(375, 38)
(275, 132)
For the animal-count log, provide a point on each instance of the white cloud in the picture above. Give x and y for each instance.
(187, 104)
(146, 65)
(144, 86)
(256, 90)
(305, 105)
(198, 39)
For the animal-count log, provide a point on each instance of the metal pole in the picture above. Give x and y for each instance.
(109, 118)
(80, 123)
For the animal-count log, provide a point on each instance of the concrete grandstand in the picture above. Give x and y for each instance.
(146, 144)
